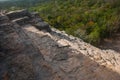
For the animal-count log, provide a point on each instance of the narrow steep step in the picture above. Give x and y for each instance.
(21, 21)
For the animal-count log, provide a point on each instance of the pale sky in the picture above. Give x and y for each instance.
(3, 0)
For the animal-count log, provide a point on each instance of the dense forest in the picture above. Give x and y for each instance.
(18, 4)
(91, 20)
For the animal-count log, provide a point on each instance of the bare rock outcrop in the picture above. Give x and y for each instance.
(31, 50)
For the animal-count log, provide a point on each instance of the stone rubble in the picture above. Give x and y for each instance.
(31, 50)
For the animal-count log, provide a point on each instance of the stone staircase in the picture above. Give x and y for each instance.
(31, 50)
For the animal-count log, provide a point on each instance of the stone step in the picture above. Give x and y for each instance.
(5, 29)
(43, 26)
(3, 19)
(17, 14)
(21, 21)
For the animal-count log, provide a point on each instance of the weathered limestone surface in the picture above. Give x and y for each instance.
(31, 50)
